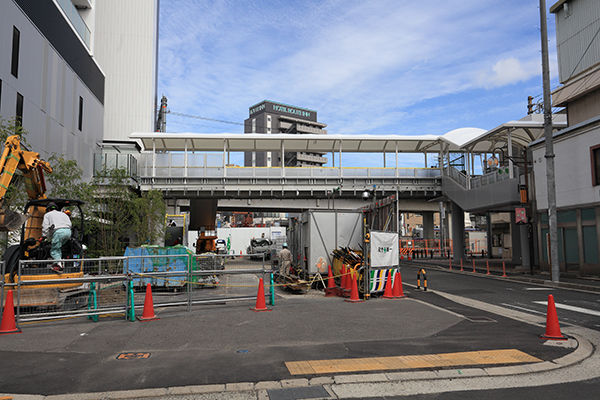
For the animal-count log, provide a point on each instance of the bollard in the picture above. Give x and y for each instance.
(461, 265)
(474, 265)
(424, 280)
(450, 262)
(487, 264)
(504, 270)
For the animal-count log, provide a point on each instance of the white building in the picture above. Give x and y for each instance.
(79, 72)
(577, 148)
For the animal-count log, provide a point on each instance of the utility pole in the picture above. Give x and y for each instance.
(551, 179)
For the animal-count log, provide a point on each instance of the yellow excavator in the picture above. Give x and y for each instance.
(15, 157)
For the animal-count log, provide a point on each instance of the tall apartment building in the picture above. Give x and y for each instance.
(79, 74)
(269, 117)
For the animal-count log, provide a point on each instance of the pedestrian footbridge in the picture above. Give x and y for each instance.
(191, 165)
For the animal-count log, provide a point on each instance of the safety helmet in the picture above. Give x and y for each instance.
(51, 206)
(285, 245)
(68, 212)
(83, 247)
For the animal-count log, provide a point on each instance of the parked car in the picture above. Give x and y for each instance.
(261, 246)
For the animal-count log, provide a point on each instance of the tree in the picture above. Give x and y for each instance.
(123, 217)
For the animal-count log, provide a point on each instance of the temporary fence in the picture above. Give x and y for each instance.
(117, 285)
(425, 247)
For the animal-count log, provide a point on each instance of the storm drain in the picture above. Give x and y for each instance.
(312, 392)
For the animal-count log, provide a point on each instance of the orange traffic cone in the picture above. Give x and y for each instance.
(260, 299)
(354, 293)
(397, 290)
(148, 314)
(8, 324)
(331, 289)
(345, 286)
(552, 326)
(388, 287)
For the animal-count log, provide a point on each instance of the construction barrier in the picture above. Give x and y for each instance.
(118, 286)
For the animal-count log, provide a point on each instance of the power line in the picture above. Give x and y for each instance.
(204, 118)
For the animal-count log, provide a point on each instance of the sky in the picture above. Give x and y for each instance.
(366, 66)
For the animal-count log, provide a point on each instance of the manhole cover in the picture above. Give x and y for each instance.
(132, 356)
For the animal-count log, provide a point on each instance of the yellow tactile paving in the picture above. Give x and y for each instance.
(468, 358)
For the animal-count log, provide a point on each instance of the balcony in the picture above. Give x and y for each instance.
(72, 14)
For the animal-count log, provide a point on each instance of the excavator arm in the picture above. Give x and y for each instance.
(32, 168)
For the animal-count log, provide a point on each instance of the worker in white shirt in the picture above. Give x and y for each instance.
(56, 226)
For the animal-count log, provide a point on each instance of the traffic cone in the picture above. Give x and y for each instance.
(344, 287)
(148, 314)
(397, 290)
(8, 324)
(354, 293)
(552, 326)
(388, 287)
(331, 289)
(260, 299)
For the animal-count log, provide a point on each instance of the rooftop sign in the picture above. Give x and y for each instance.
(283, 109)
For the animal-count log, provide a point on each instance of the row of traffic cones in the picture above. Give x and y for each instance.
(8, 323)
(392, 291)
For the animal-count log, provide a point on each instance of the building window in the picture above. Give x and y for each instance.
(595, 154)
(19, 111)
(80, 122)
(14, 67)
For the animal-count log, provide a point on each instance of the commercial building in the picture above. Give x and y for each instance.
(270, 117)
(577, 147)
(80, 75)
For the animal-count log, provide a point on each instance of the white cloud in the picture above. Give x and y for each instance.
(509, 71)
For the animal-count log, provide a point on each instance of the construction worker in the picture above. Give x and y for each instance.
(56, 226)
(285, 262)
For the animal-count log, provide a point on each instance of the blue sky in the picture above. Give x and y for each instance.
(366, 66)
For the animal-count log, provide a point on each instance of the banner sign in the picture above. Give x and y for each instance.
(379, 279)
(384, 249)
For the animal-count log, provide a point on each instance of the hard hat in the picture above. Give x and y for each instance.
(285, 245)
(51, 206)
(83, 247)
(68, 212)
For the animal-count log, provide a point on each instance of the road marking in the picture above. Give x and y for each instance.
(523, 308)
(485, 357)
(538, 288)
(572, 308)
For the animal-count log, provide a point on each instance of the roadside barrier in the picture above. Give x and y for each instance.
(424, 280)
(552, 325)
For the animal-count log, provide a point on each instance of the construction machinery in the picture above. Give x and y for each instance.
(19, 164)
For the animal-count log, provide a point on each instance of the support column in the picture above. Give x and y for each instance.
(428, 225)
(458, 231)
(515, 233)
(525, 251)
(488, 217)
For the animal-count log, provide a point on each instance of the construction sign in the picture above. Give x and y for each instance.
(384, 249)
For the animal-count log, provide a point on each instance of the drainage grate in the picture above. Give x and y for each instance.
(298, 393)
